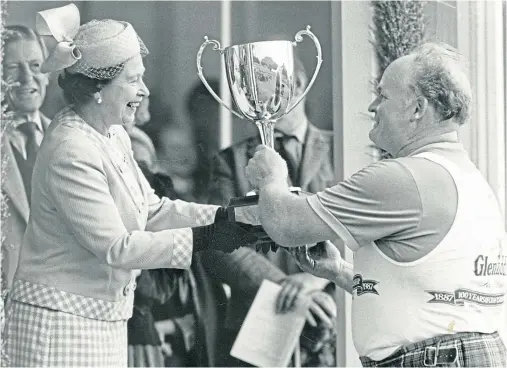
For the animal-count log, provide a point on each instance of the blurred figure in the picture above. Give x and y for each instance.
(175, 149)
(203, 111)
(145, 153)
(308, 151)
(189, 323)
(142, 146)
(184, 151)
(146, 347)
(143, 114)
(24, 52)
(178, 158)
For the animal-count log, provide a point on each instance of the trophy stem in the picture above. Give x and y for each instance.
(266, 130)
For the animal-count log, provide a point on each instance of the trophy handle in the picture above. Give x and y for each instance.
(216, 47)
(315, 40)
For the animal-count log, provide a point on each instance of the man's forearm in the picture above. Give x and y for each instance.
(288, 218)
(244, 269)
(274, 204)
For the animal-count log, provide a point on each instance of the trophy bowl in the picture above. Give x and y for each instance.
(261, 80)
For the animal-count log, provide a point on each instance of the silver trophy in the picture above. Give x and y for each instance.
(261, 80)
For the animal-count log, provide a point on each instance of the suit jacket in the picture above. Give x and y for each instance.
(95, 219)
(209, 302)
(17, 207)
(244, 269)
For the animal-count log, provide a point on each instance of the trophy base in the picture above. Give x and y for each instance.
(251, 199)
(243, 209)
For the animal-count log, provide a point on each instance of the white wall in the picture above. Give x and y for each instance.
(353, 68)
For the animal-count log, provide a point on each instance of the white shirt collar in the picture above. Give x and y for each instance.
(299, 132)
(35, 118)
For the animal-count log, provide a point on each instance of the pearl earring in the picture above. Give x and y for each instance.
(97, 97)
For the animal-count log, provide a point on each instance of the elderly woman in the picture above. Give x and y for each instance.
(94, 219)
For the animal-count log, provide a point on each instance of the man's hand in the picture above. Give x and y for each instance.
(266, 166)
(322, 260)
(292, 287)
(322, 308)
(165, 327)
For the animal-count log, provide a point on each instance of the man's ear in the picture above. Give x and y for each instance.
(421, 105)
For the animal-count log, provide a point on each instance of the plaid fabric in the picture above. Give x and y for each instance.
(472, 349)
(52, 298)
(183, 239)
(182, 248)
(205, 214)
(41, 337)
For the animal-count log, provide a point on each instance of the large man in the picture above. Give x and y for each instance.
(310, 151)
(430, 257)
(24, 52)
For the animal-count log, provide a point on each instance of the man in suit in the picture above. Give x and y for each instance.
(24, 52)
(308, 151)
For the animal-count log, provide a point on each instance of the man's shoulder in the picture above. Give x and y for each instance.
(383, 175)
(398, 175)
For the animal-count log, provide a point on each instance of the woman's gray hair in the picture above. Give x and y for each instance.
(439, 75)
(79, 88)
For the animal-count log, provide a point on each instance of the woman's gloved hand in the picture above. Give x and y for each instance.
(227, 236)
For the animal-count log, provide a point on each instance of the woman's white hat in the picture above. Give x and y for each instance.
(96, 49)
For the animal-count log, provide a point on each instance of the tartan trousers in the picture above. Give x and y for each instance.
(468, 349)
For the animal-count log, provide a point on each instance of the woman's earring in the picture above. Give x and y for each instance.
(97, 97)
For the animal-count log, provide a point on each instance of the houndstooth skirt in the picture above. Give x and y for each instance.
(38, 336)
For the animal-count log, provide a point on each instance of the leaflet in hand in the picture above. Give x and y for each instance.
(268, 338)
